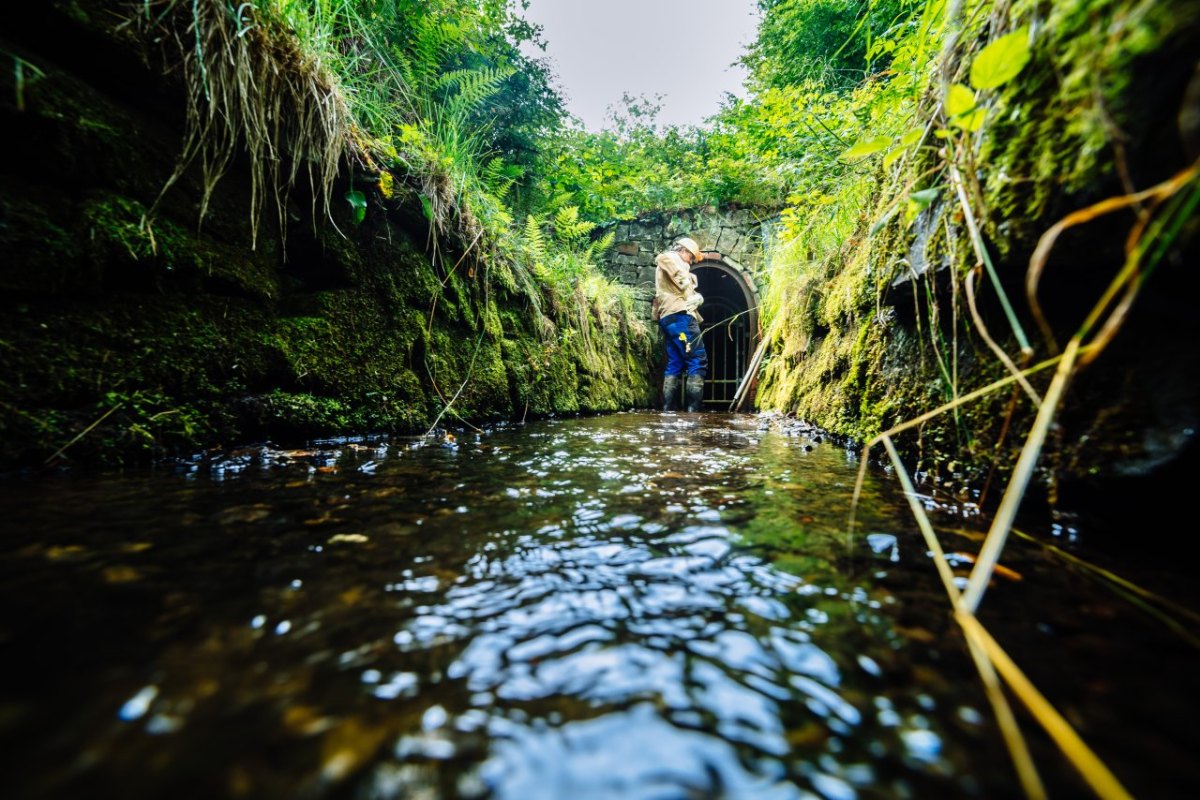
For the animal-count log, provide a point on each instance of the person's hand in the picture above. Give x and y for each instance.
(693, 302)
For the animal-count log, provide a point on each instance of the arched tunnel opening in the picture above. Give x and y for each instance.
(730, 330)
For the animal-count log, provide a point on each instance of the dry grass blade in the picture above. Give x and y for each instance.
(251, 86)
(981, 328)
(1126, 279)
(1144, 599)
(928, 415)
(83, 433)
(1037, 262)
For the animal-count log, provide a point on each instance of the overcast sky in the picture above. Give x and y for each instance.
(683, 49)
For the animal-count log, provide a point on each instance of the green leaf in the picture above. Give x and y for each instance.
(427, 207)
(924, 197)
(878, 226)
(893, 156)
(912, 137)
(960, 105)
(358, 202)
(959, 100)
(1001, 61)
(973, 121)
(867, 148)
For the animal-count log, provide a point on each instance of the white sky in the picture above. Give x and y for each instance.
(683, 49)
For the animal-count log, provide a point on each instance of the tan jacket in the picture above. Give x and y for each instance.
(674, 286)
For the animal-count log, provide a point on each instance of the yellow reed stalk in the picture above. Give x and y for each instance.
(996, 349)
(1022, 761)
(989, 554)
(1091, 768)
(928, 415)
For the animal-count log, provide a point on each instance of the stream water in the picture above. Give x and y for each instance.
(633, 606)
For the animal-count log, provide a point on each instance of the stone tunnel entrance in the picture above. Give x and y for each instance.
(730, 329)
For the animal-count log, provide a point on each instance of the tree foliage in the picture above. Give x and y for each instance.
(829, 42)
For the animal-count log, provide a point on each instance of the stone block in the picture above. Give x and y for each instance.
(628, 248)
(726, 240)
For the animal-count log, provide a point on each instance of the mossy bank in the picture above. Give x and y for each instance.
(869, 308)
(123, 340)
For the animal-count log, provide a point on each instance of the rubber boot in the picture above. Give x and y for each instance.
(694, 390)
(671, 392)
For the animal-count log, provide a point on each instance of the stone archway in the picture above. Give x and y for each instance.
(734, 240)
(730, 328)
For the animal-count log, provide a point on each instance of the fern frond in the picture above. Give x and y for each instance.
(597, 247)
(535, 241)
(476, 87)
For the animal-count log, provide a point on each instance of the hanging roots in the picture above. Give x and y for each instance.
(250, 84)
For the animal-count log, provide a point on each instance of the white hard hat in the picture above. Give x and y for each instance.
(689, 245)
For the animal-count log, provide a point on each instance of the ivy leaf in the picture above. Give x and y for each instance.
(1001, 61)
(866, 148)
(358, 202)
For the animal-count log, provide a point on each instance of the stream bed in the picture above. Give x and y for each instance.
(638, 605)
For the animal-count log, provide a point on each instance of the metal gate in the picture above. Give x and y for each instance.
(726, 333)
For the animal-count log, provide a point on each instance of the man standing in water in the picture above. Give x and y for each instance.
(675, 307)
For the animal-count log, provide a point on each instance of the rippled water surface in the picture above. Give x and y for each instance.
(633, 606)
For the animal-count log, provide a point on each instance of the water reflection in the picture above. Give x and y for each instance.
(642, 605)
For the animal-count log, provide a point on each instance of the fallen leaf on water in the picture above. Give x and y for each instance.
(70, 552)
(974, 536)
(916, 634)
(121, 573)
(347, 747)
(999, 570)
(327, 470)
(306, 721)
(252, 513)
(350, 538)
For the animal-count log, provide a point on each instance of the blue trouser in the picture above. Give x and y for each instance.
(679, 354)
